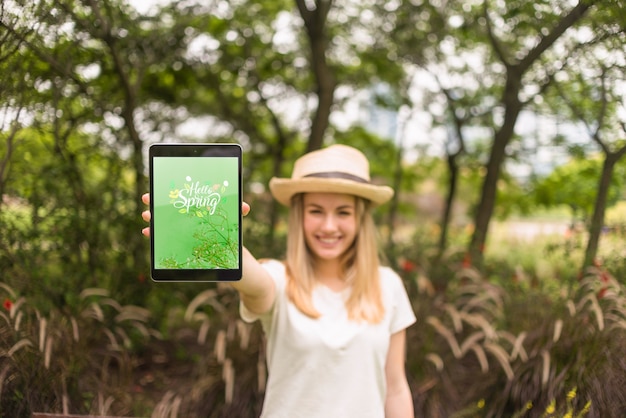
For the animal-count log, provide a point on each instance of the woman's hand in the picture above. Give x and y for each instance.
(146, 215)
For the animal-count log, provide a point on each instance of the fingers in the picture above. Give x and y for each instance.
(245, 209)
(146, 215)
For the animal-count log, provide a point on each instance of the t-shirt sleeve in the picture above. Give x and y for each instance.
(276, 269)
(402, 315)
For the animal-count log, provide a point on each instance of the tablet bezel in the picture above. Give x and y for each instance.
(201, 150)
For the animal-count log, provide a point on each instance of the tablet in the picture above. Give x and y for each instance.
(195, 202)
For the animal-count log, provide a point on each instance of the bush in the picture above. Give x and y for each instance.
(478, 345)
(63, 361)
(514, 340)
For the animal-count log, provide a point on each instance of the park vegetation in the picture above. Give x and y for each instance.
(477, 94)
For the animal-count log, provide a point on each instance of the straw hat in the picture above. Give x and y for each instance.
(335, 169)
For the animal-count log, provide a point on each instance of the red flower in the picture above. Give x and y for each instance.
(408, 266)
(467, 261)
(7, 304)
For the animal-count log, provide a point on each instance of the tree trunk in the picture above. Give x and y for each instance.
(278, 159)
(502, 137)
(393, 209)
(315, 22)
(453, 169)
(597, 218)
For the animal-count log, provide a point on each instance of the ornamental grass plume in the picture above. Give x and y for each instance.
(483, 351)
(66, 362)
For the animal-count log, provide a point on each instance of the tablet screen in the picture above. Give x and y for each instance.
(195, 201)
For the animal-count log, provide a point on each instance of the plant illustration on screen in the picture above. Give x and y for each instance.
(203, 213)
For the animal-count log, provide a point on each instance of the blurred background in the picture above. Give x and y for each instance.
(501, 126)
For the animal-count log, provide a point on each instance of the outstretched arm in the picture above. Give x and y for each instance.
(256, 287)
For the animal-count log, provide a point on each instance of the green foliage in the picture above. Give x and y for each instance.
(616, 216)
(66, 207)
(575, 184)
(381, 153)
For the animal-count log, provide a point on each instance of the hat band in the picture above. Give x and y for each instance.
(338, 175)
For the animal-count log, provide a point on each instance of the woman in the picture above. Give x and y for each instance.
(335, 320)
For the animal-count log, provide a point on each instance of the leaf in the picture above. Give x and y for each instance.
(21, 343)
(201, 299)
(447, 334)
(482, 358)
(518, 348)
(436, 360)
(8, 289)
(545, 374)
(93, 291)
(455, 316)
(133, 313)
(470, 341)
(503, 358)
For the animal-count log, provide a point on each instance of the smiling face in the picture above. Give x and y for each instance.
(330, 224)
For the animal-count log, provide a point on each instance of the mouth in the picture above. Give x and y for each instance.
(328, 241)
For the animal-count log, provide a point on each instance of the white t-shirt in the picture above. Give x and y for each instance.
(328, 367)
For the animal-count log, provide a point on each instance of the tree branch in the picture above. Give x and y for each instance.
(546, 42)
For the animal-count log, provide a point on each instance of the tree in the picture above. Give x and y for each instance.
(516, 67)
(490, 56)
(595, 98)
(81, 69)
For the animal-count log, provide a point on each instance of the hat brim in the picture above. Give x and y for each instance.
(283, 189)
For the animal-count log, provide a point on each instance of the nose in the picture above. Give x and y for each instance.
(330, 223)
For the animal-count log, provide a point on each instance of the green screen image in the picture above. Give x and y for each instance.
(196, 212)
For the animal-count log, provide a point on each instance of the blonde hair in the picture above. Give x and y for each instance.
(360, 266)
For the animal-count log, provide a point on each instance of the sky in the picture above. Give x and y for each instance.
(143, 6)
